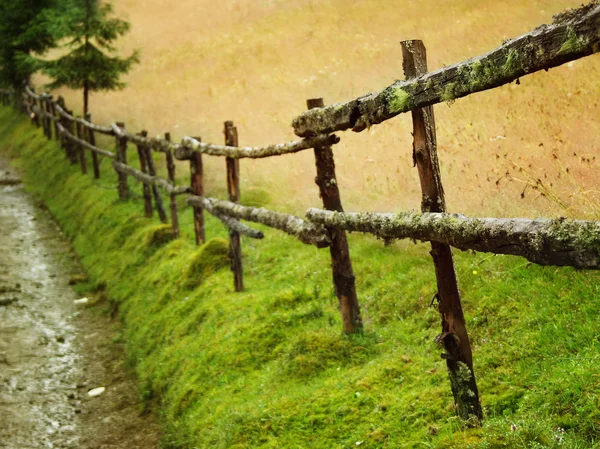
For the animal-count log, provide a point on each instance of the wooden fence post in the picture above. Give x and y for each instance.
(145, 187)
(454, 335)
(173, 197)
(35, 119)
(70, 145)
(48, 112)
(121, 156)
(80, 148)
(197, 184)
(91, 138)
(44, 118)
(233, 188)
(55, 126)
(341, 265)
(160, 208)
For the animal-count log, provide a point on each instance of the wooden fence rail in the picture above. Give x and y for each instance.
(573, 34)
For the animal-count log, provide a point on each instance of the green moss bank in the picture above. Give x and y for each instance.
(269, 368)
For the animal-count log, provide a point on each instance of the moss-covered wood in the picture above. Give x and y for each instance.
(233, 188)
(304, 231)
(559, 242)
(227, 217)
(189, 145)
(454, 336)
(341, 264)
(154, 181)
(67, 135)
(571, 36)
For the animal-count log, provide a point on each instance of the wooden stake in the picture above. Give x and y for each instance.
(48, 111)
(233, 188)
(81, 149)
(197, 184)
(145, 187)
(70, 145)
(91, 138)
(53, 112)
(341, 265)
(122, 157)
(173, 197)
(454, 335)
(160, 208)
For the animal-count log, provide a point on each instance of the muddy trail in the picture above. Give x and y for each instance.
(55, 350)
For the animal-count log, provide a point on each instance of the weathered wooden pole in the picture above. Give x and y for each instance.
(91, 138)
(173, 197)
(145, 187)
(47, 113)
(160, 208)
(80, 148)
(53, 112)
(197, 184)
(121, 156)
(44, 118)
(34, 118)
(341, 265)
(454, 335)
(70, 145)
(233, 188)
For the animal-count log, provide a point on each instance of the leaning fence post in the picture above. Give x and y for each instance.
(53, 112)
(91, 138)
(173, 197)
(233, 188)
(48, 112)
(145, 187)
(34, 117)
(197, 184)
(121, 156)
(44, 118)
(454, 335)
(160, 208)
(81, 149)
(71, 147)
(341, 265)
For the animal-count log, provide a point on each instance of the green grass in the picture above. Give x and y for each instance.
(270, 368)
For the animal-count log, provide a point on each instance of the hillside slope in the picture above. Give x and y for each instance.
(269, 368)
(256, 62)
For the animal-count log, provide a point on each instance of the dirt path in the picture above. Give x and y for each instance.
(52, 350)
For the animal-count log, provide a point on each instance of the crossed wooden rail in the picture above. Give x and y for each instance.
(572, 35)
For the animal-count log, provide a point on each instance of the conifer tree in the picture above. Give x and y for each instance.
(24, 29)
(91, 64)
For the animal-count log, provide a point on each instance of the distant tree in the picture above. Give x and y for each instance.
(91, 64)
(24, 29)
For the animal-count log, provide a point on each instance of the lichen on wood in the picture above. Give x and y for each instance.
(306, 232)
(573, 35)
(559, 242)
(150, 180)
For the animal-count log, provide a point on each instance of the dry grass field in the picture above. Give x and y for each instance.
(256, 62)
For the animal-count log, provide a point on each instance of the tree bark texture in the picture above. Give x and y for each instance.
(341, 265)
(160, 208)
(572, 35)
(81, 148)
(91, 138)
(304, 231)
(122, 158)
(173, 198)
(228, 219)
(197, 183)
(559, 242)
(233, 188)
(146, 193)
(148, 179)
(454, 335)
(68, 137)
(189, 145)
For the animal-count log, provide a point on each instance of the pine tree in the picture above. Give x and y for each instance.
(91, 64)
(24, 29)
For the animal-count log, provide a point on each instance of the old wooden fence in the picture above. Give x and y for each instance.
(572, 35)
